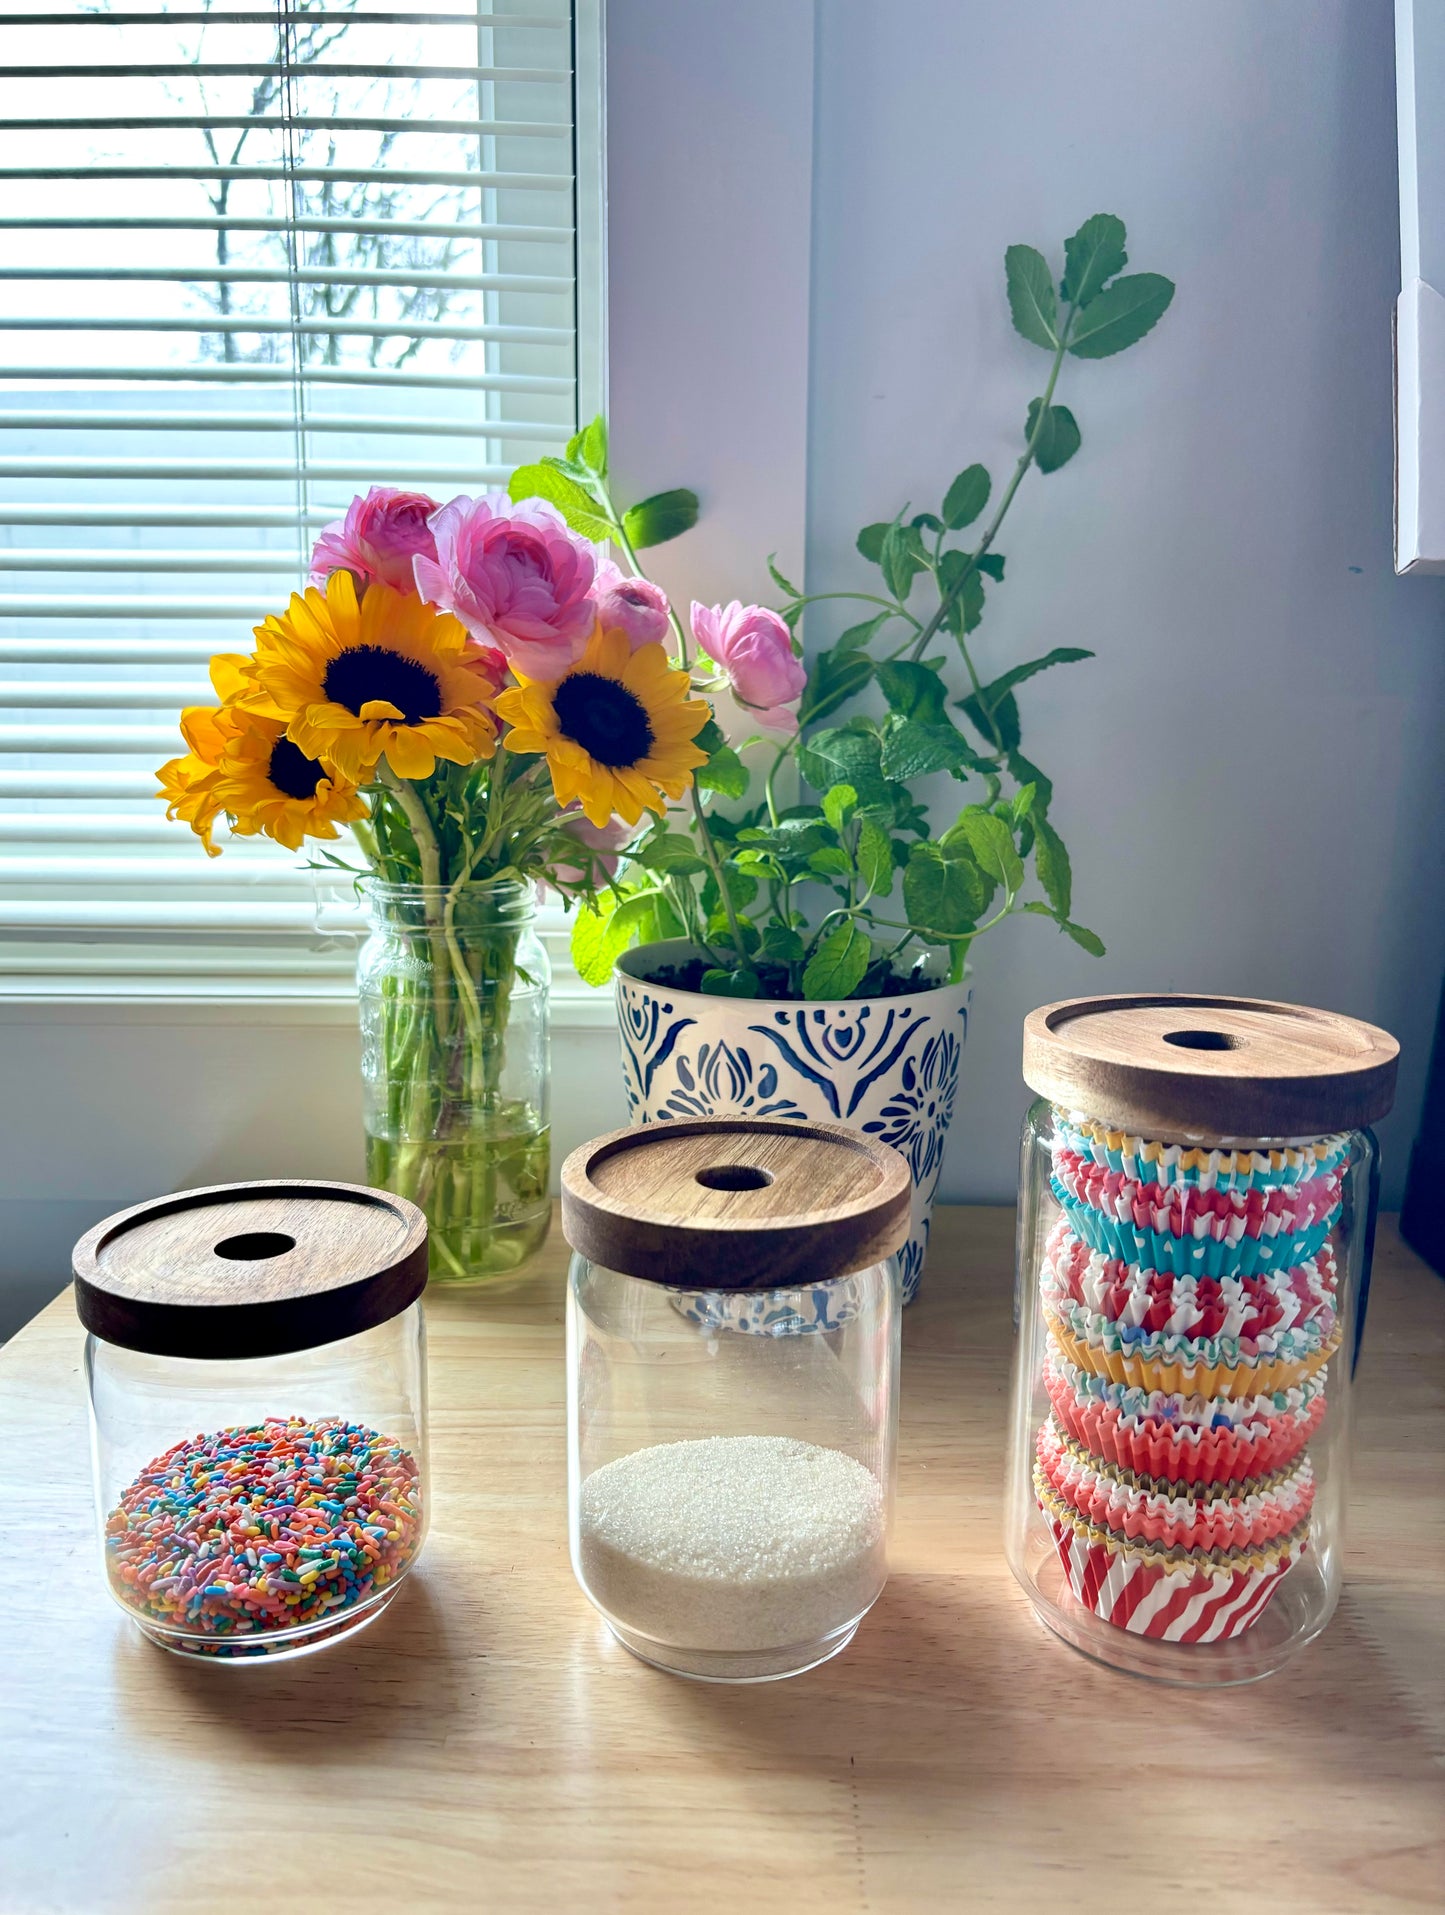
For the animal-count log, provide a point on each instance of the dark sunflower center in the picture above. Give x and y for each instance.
(604, 718)
(292, 772)
(363, 672)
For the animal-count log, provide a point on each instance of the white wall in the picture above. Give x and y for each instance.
(1248, 773)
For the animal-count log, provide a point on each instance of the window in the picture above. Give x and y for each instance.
(256, 258)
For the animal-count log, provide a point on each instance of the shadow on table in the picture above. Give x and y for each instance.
(399, 1680)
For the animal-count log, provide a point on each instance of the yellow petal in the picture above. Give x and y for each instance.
(382, 708)
(409, 754)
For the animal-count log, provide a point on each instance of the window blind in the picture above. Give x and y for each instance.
(254, 259)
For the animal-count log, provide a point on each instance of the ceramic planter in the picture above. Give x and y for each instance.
(887, 1066)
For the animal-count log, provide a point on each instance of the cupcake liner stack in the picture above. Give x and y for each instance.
(1189, 1296)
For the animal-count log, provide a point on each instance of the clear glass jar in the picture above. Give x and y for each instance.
(1189, 1307)
(453, 994)
(255, 1505)
(731, 1449)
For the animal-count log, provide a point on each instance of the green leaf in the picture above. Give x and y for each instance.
(760, 863)
(1019, 674)
(1051, 861)
(831, 861)
(725, 772)
(870, 541)
(666, 515)
(913, 691)
(1089, 940)
(1092, 256)
(1121, 314)
(600, 937)
(833, 679)
(846, 757)
(992, 563)
(1031, 296)
(781, 944)
(875, 858)
(594, 446)
(778, 579)
(966, 497)
(836, 968)
(670, 852)
(941, 894)
(1058, 438)
(857, 636)
(839, 804)
(1024, 773)
(710, 738)
(901, 560)
(576, 505)
(913, 749)
(926, 522)
(992, 845)
(1023, 802)
(730, 983)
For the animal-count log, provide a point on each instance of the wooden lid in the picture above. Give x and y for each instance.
(248, 1270)
(735, 1203)
(1210, 1067)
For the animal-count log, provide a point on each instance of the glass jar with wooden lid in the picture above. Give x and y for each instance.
(733, 1313)
(257, 1374)
(1197, 1204)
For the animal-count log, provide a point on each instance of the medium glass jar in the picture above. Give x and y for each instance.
(733, 1315)
(453, 992)
(1198, 1191)
(256, 1364)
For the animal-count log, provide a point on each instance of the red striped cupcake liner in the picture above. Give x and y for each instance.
(1160, 1440)
(1175, 1516)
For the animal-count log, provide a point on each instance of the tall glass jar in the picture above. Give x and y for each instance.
(1197, 1202)
(453, 991)
(731, 1468)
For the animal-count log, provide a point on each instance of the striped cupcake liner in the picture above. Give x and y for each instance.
(1174, 1516)
(1147, 1596)
(1183, 1439)
(1233, 1254)
(1154, 1161)
(1187, 1366)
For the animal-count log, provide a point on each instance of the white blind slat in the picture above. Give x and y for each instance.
(254, 261)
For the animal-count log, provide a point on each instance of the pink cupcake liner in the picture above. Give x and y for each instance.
(1187, 1211)
(1227, 1517)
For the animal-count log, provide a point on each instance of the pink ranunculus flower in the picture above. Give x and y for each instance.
(516, 577)
(754, 650)
(379, 538)
(632, 605)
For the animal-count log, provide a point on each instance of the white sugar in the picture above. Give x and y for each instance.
(733, 1542)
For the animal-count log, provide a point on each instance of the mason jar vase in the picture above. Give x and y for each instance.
(453, 986)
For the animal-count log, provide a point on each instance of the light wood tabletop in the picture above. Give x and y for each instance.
(487, 1746)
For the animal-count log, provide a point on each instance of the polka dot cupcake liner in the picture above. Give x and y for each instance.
(1150, 1161)
(1179, 1438)
(1147, 1509)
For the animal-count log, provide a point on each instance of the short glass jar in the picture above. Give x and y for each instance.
(453, 989)
(733, 1313)
(1198, 1193)
(256, 1363)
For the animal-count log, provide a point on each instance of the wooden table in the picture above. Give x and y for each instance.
(486, 1746)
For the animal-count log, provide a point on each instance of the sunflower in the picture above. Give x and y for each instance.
(387, 676)
(244, 765)
(617, 729)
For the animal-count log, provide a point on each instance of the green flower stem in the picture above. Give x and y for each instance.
(429, 858)
(1026, 459)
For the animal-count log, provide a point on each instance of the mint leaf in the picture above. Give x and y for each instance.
(940, 894)
(600, 937)
(913, 749)
(846, 757)
(1031, 296)
(576, 505)
(1018, 674)
(1058, 438)
(666, 515)
(1121, 314)
(778, 579)
(671, 852)
(781, 944)
(913, 691)
(1089, 940)
(992, 845)
(966, 497)
(836, 968)
(992, 563)
(724, 772)
(870, 541)
(594, 446)
(1092, 256)
(834, 678)
(857, 636)
(875, 858)
(730, 983)
(901, 560)
(1051, 861)
(839, 804)
(831, 861)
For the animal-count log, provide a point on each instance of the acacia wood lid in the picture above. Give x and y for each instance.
(735, 1203)
(1210, 1067)
(249, 1270)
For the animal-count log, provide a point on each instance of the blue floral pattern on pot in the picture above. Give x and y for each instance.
(887, 1066)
